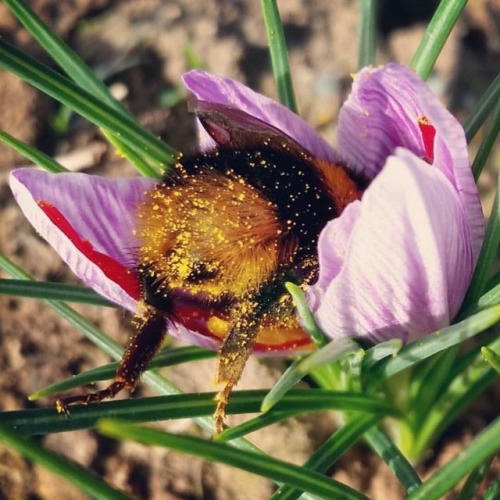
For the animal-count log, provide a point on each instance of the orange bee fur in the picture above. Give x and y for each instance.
(228, 229)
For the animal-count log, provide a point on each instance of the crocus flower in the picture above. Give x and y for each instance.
(395, 264)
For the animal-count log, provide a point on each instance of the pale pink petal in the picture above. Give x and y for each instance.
(407, 263)
(95, 219)
(384, 112)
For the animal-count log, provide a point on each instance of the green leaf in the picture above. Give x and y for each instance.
(305, 314)
(485, 445)
(193, 60)
(487, 257)
(428, 386)
(55, 291)
(492, 358)
(46, 420)
(61, 120)
(392, 456)
(470, 376)
(84, 103)
(331, 450)
(490, 298)
(279, 53)
(166, 357)
(301, 367)
(436, 34)
(493, 492)
(379, 352)
(482, 109)
(72, 472)
(128, 152)
(435, 342)
(262, 465)
(367, 33)
(31, 153)
(67, 59)
(487, 145)
(474, 480)
(254, 424)
(76, 69)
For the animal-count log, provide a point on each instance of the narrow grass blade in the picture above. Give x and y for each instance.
(84, 103)
(279, 54)
(135, 159)
(381, 351)
(472, 483)
(193, 60)
(434, 343)
(305, 314)
(31, 153)
(104, 342)
(67, 59)
(491, 297)
(164, 358)
(492, 358)
(429, 387)
(74, 67)
(487, 257)
(301, 367)
(81, 477)
(54, 291)
(469, 379)
(254, 424)
(485, 445)
(42, 421)
(367, 33)
(482, 109)
(436, 34)
(262, 465)
(487, 145)
(392, 456)
(493, 492)
(330, 451)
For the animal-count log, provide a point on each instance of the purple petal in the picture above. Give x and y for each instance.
(212, 88)
(383, 112)
(407, 262)
(380, 114)
(89, 221)
(335, 239)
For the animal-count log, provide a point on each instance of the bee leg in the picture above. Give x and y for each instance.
(231, 362)
(140, 350)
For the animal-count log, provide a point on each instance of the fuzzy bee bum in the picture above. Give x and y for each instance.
(226, 229)
(383, 234)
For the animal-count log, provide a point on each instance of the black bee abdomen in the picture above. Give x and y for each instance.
(290, 183)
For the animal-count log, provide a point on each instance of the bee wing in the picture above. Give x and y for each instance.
(233, 128)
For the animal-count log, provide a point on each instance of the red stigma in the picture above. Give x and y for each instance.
(113, 270)
(428, 134)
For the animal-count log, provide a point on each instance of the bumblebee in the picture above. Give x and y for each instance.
(219, 236)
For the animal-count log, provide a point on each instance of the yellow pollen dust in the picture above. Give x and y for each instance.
(208, 235)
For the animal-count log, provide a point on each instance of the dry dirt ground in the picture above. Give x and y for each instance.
(138, 47)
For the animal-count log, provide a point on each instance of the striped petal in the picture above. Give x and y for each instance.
(406, 262)
(392, 107)
(89, 221)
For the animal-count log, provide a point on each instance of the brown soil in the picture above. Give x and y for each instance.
(138, 47)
